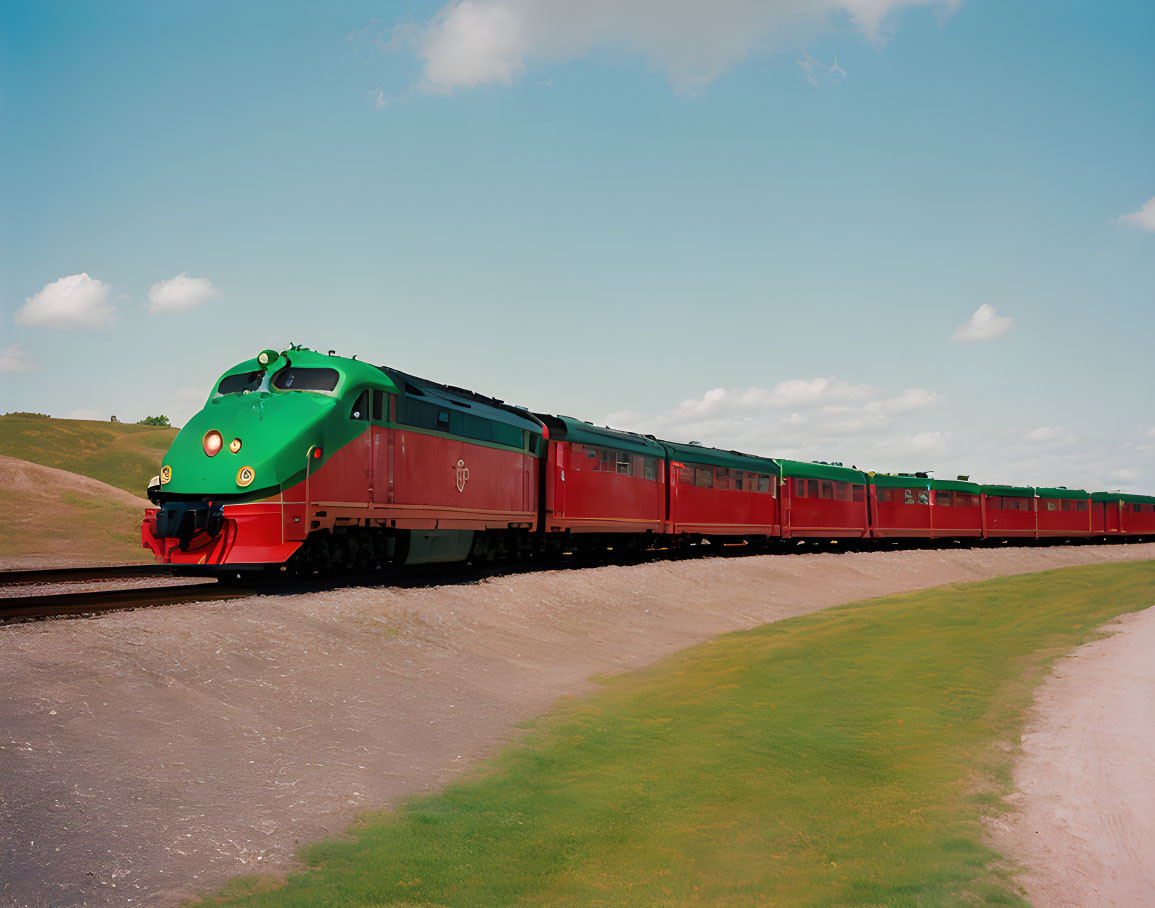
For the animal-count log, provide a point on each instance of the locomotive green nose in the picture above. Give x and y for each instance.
(245, 444)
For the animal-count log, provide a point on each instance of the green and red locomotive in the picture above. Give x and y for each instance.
(301, 460)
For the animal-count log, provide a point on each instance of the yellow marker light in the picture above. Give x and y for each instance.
(212, 442)
(165, 474)
(235, 445)
(245, 476)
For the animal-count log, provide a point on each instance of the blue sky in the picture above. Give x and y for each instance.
(752, 224)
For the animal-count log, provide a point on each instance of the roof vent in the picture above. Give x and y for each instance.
(964, 478)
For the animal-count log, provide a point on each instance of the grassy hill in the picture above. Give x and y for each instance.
(121, 455)
(54, 518)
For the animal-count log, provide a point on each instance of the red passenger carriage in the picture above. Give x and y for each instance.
(1008, 512)
(600, 480)
(1062, 512)
(721, 493)
(824, 501)
(956, 509)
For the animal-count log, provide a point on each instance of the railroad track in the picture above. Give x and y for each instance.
(89, 602)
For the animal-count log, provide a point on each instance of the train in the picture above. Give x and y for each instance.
(309, 462)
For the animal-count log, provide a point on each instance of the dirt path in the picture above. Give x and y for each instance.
(149, 754)
(1085, 826)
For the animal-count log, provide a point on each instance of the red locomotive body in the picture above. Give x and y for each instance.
(823, 501)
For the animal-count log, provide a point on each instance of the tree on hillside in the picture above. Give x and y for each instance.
(154, 421)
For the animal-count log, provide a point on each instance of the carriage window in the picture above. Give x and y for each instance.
(685, 476)
(378, 404)
(721, 478)
(1080, 505)
(1068, 504)
(924, 497)
(624, 467)
(737, 480)
(881, 495)
(858, 493)
(826, 490)
(649, 468)
(360, 406)
(812, 488)
(944, 499)
(908, 496)
(704, 477)
(763, 483)
(799, 488)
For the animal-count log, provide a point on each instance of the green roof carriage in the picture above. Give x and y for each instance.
(566, 428)
(809, 470)
(1063, 512)
(810, 509)
(1062, 492)
(716, 457)
(1009, 491)
(713, 493)
(899, 481)
(956, 485)
(1123, 496)
(1009, 519)
(601, 480)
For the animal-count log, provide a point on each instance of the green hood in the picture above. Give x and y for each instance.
(277, 430)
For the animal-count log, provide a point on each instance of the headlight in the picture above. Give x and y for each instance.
(235, 445)
(165, 474)
(245, 476)
(212, 442)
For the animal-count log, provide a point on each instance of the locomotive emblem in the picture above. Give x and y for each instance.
(462, 474)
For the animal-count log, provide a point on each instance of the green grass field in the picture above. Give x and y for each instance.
(846, 757)
(125, 456)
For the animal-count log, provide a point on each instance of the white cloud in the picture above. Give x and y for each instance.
(180, 293)
(909, 400)
(85, 413)
(74, 303)
(800, 418)
(1044, 433)
(475, 42)
(984, 325)
(1144, 218)
(15, 359)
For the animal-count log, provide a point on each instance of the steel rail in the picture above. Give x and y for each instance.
(85, 574)
(52, 605)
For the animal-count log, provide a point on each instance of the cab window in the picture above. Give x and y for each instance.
(298, 378)
(360, 408)
(240, 382)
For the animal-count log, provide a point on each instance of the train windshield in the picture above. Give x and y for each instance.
(296, 378)
(240, 383)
